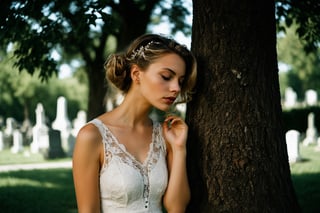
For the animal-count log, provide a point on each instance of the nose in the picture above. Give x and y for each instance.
(175, 86)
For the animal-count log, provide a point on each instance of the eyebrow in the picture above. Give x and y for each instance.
(173, 72)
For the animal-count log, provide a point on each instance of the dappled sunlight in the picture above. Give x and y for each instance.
(15, 182)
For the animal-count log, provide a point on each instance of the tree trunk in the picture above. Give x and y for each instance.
(237, 156)
(97, 90)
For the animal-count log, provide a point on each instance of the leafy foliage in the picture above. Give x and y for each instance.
(73, 27)
(306, 15)
(21, 92)
(304, 69)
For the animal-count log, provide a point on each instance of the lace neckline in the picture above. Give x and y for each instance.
(123, 148)
(113, 148)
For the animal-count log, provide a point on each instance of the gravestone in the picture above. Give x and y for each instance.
(55, 148)
(26, 130)
(182, 108)
(290, 98)
(1, 141)
(292, 140)
(62, 123)
(17, 142)
(79, 122)
(11, 125)
(311, 133)
(119, 98)
(311, 97)
(40, 132)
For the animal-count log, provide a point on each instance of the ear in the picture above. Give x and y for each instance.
(135, 72)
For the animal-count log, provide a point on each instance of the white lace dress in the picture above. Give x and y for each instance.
(126, 185)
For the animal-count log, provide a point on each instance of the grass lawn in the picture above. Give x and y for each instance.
(52, 191)
(25, 157)
(306, 179)
(37, 191)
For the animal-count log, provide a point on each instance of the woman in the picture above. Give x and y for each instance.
(125, 162)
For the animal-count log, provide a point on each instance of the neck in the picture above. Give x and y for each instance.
(133, 111)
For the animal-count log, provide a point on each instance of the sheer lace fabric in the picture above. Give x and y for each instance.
(127, 185)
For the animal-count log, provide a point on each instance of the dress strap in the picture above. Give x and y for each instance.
(159, 136)
(98, 123)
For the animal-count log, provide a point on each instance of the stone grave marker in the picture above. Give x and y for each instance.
(11, 125)
(79, 122)
(62, 123)
(311, 97)
(1, 141)
(40, 132)
(311, 133)
(55, 148)
(290, 98)
(292, 140)
(17, 142)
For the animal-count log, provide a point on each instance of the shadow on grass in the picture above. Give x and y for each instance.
(52, 191)
(37, 191)
(307, 187)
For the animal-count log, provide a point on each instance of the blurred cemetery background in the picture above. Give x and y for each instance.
(44, 117)
(39, 120)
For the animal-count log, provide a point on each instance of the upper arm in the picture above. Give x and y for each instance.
(169, 157)
(86, 167)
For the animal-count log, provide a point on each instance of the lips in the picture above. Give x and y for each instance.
(169, 100)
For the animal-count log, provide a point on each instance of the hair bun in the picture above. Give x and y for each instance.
(116, 67)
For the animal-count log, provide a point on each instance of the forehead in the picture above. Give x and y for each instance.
(172, 62)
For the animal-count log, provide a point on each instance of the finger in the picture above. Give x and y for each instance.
(175, 121)
(166, 125)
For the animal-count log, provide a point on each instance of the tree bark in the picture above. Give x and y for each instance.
(237, 156)
(97, 90)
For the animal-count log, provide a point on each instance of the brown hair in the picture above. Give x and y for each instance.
(143, 51)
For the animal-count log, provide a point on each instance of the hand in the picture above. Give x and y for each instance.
(175, 132)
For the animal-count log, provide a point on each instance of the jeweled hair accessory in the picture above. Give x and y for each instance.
(140, 52)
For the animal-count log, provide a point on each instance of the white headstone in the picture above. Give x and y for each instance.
(119, 98)
(311, 133)
(79, 122)
(40, 132)
(10, 126)
(17, 142)
(62, 122)
(182, 108)
(292, 140)
(311, 97)
(1, 141)
(290, 98)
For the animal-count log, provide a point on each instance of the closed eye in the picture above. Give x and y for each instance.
(166, 78)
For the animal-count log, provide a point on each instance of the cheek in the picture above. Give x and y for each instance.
(154, 84)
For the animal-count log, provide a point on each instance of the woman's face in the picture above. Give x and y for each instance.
(161, 82)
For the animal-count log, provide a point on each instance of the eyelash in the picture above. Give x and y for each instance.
(169, 78)
(166, 78)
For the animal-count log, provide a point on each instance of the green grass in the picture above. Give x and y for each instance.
(306, 179)
(52, 190)
(25, 157)
(37, 191)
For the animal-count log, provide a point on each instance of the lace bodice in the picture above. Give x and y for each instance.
(127, 185)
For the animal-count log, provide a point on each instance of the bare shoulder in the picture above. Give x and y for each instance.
(89, 132)
(88, 138)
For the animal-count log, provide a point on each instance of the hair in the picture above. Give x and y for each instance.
(142, 52)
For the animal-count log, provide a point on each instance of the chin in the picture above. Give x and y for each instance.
(163, 108)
